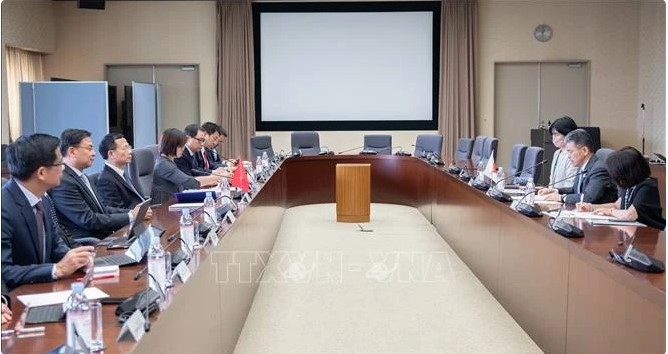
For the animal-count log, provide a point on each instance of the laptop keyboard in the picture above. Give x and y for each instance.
(119, 259)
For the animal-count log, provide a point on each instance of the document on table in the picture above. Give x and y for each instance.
(58, 297)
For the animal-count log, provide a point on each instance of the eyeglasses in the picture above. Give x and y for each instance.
(89, 148)
(201, 140)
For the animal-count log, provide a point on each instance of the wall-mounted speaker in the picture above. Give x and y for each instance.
(91, 4)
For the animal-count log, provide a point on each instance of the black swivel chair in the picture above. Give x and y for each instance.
(380, 143)
(260, 144)
(141, 170)
(306, 142)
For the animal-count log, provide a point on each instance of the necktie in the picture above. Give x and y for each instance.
(215, 154)
(127, 179)
(206, 161)
(39, 218)
(90, 189)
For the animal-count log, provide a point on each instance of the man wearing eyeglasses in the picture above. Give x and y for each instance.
(79, 206)
(114, 185)
(192, 162)
(32, 249)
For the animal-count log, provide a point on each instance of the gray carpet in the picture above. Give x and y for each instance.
(330, 288)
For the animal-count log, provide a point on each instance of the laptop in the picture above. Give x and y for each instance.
(132, 255)
(135, 229)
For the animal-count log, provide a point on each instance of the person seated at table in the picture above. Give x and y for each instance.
(193, 162)
(32, 248)
(167, 177)
(562, 168)
(113, 184)
(639, 193)
(78, 204)
(215, 135)
(592, 182)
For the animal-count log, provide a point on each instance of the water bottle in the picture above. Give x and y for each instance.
(210, 209)
(78, 321)
(156, 266)
(258, 165)
(265, 161)
(500, 180)
(480, 177)
(187, 230)
(225, 191)
(531, 190)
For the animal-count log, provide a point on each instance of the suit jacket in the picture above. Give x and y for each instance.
(116, 191)
(597, 186)
(191, 164)
(214, 159)
(80, 214)
(21, 263)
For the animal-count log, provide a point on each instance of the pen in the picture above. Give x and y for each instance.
(101, 276)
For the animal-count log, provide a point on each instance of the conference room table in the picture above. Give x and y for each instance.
(565, 293)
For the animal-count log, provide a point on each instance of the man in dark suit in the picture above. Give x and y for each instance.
(215, 135)
(191, 161)
(32, 248)
(77, 202)
(593, 183)
(113, 184)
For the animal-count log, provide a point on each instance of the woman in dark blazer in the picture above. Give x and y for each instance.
(167, 178)
(638, 192)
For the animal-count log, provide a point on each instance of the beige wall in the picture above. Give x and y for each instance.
(27, 25)
(605, 33)
(137, 32)
(623, 40)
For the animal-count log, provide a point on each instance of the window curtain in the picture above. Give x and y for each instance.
(235, 81)
(459, 31)
(22, 65)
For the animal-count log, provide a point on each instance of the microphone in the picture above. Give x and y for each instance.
(532, 210)
(380, 151)
(178, 257)
(297, 153)
(147, 323)
(505, 197)
(324, 150)
(349, 150)
(563, 228)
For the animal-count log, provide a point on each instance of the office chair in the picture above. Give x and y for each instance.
(477, 153)
(260, 144)
(533, 156)
(306, 142)
(428, 143)
(517, 159)
(603, 154)
(380, 143)
(140, 170)
(489, 148)
(464, 150)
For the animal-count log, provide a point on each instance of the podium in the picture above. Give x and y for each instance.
(353, 192)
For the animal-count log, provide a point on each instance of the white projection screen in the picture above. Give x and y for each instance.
(346, 66)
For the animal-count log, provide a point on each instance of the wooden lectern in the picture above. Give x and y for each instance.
(353, 192)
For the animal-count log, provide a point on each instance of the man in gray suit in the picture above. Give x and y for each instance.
(80, 209)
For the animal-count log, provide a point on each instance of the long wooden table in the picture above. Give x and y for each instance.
(565, 293)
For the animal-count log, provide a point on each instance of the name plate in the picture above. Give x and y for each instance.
(183, 272)
(213, 237)
(229, 217)
(246, 198)
(133, 328)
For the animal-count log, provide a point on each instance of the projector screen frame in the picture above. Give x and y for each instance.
(356, 125)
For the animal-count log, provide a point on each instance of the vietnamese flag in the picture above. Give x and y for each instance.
(239, 178)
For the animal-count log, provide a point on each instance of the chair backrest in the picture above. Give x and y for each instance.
(307, 142)
(426, 143)
(154, 150)
(380, 143)
(260, 144)
(533, 156)
(517, 159)
(477, 152)
(141, 170)
(464, 149)
(603, 154)
(489, 148)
